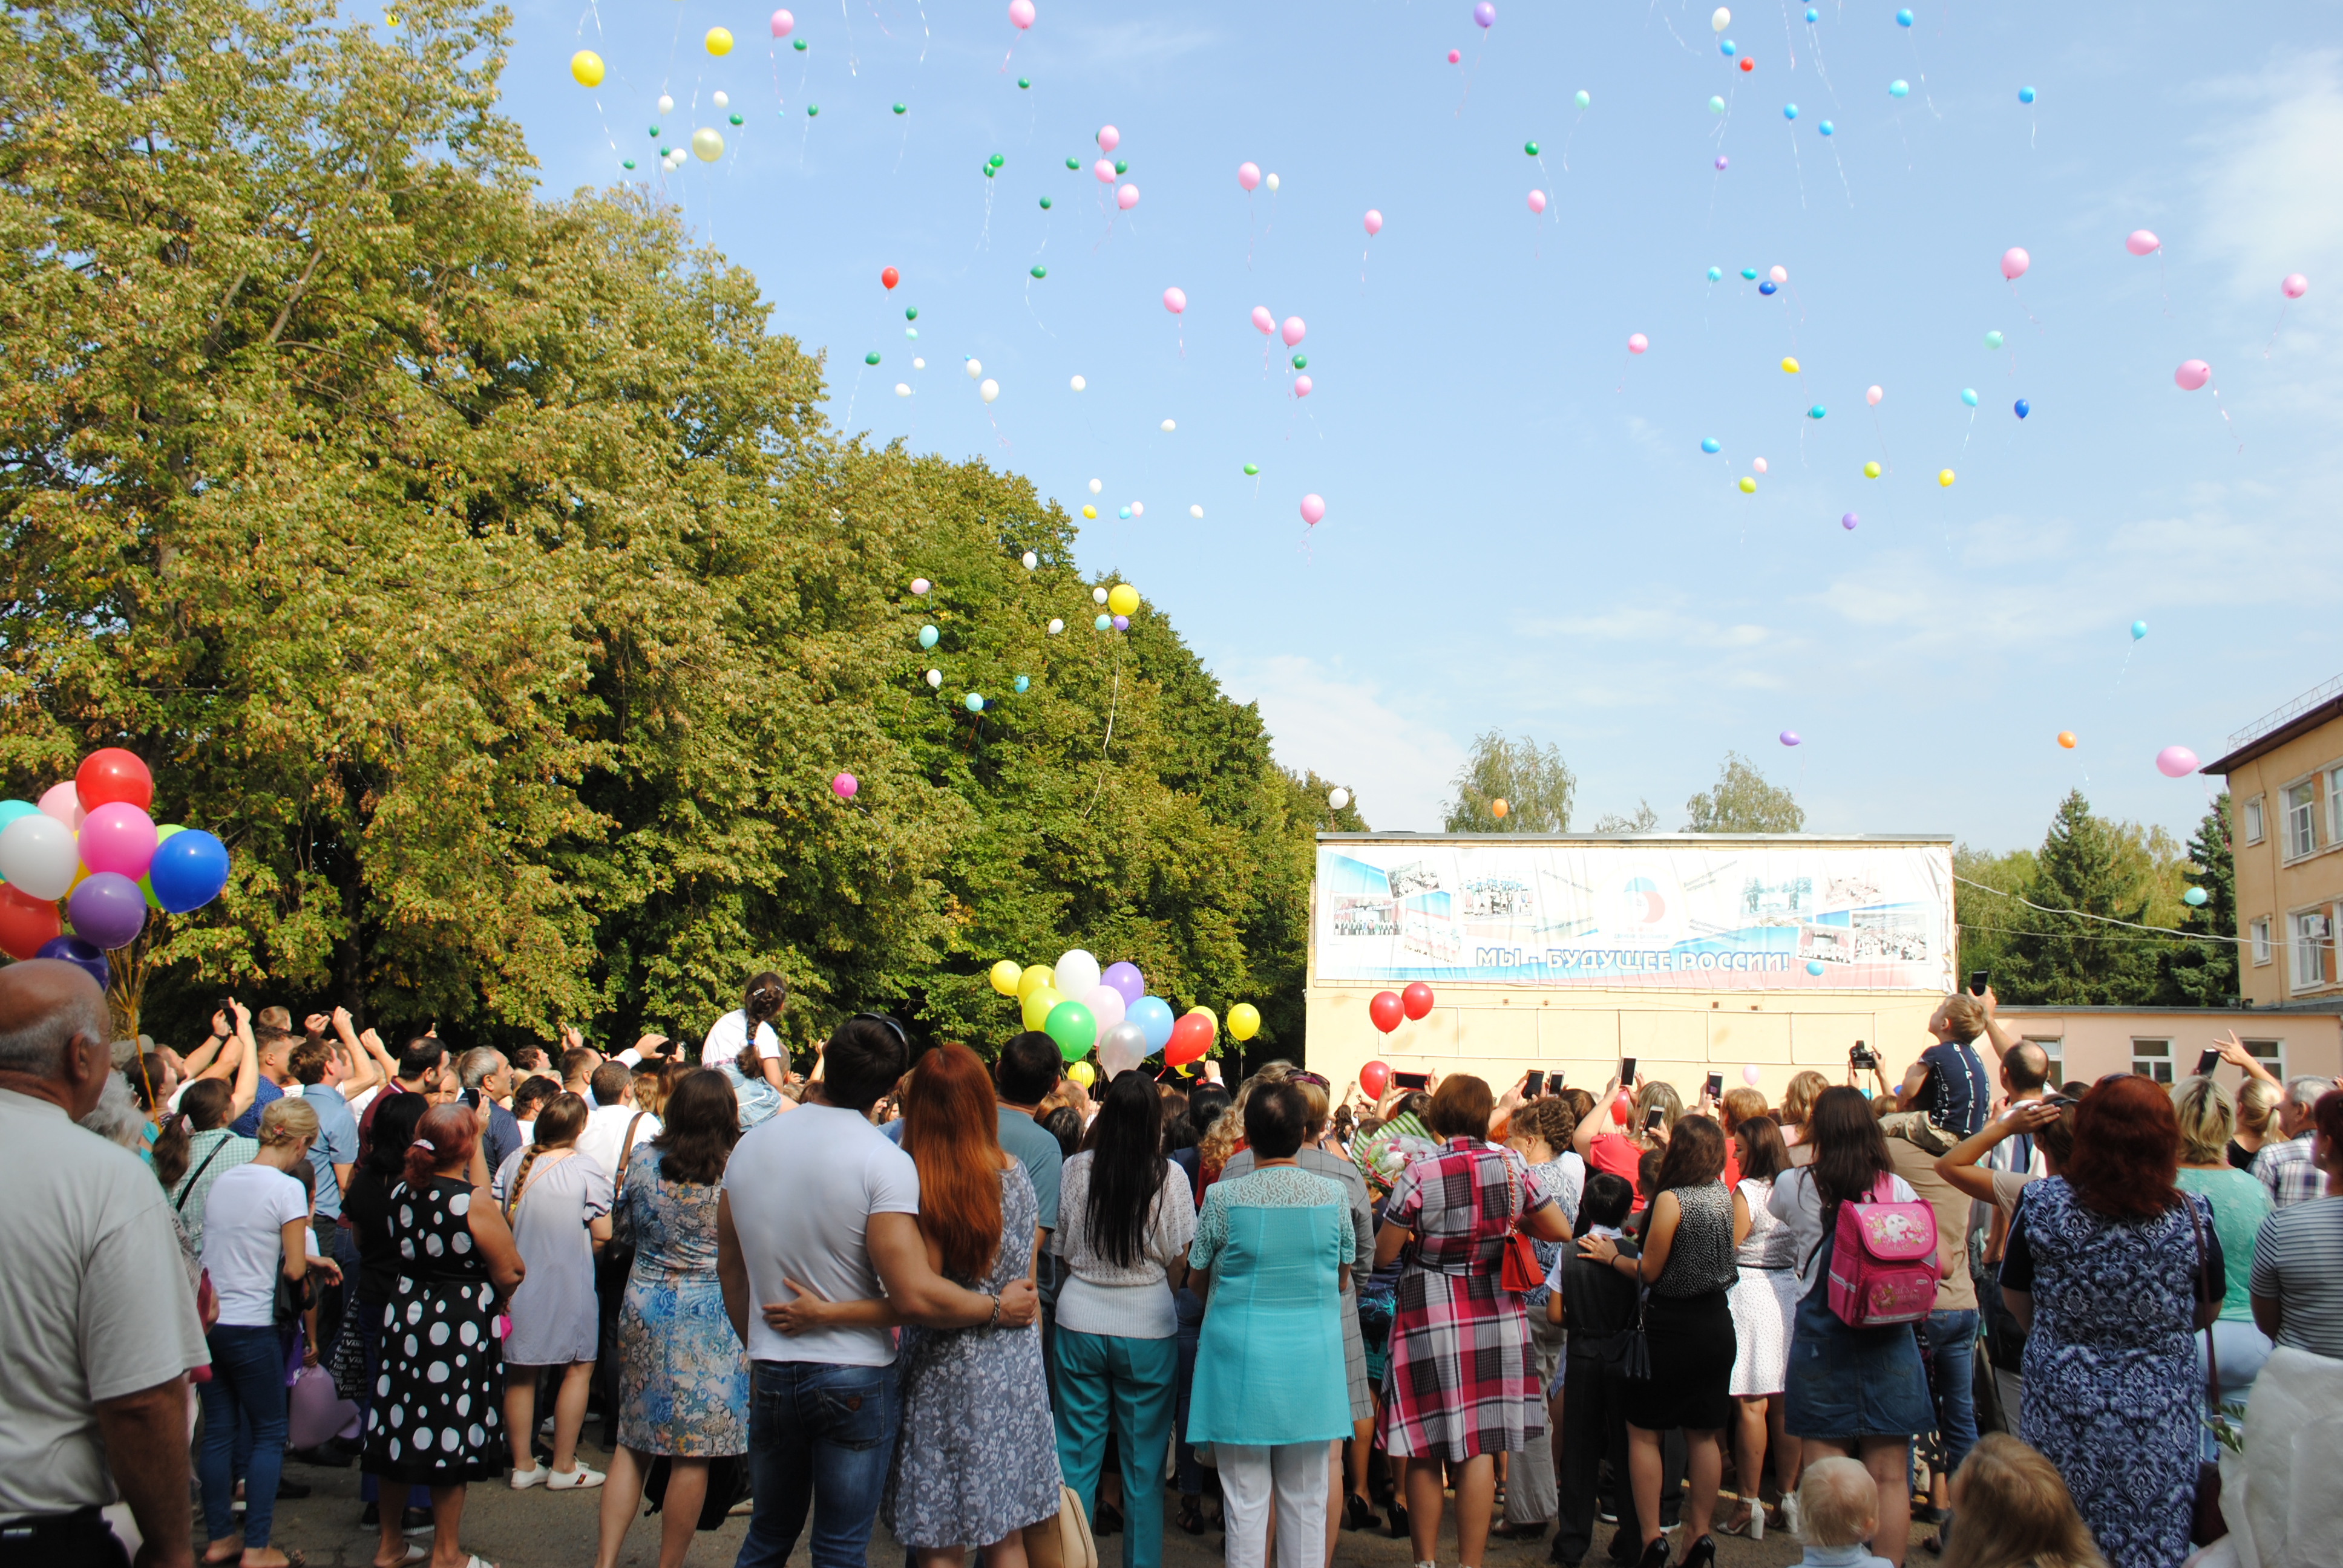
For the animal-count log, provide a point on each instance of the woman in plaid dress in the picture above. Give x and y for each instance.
(1460, 1387)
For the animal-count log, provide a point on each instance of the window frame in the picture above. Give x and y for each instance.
(2259, 932)
(2054, 1050)
(2304, 815)
(2250, 812)
(2144, 1064)
(2298, 941)
(2276, 1061)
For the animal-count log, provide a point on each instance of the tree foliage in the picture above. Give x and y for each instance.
(1535, 784)
(1742, 802)
(1642, 820)
(482, 569)
(2063, 959)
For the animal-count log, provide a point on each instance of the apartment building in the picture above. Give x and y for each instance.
(2285, 774)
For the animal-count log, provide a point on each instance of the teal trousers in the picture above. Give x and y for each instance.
(1104, 1379)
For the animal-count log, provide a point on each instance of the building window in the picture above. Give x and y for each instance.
(2261, 931)
(2270, 1053)
(2054, 1048)
(2152, 1058)
(2301, 819)
(2253, 813)
(2335, 804)
(2314, 949)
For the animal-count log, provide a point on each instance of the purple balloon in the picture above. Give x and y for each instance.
(107, 909)
(1789, 738)
(1485, 13)
(82, 955)
(1128, 982)
(1848, 521)
(1122, 623)
(1720, 160)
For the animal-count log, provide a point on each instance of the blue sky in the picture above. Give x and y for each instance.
(1521, 531)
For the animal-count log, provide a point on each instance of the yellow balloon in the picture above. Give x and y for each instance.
(1038, 1003)
(1090, 511)
(586, 68)
(707, 145)
(1200, 1010)
(1244, 1020)
(1945, 477)
(719, 42)
(1035, 976)
(1789, 367)
(1748, 485)
(1871, 470)
(1005, 976)
(1083, 1073)
(1122, 600)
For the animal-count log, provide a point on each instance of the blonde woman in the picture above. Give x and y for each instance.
(2240, 1204)
(1650, 1118)
(1798, 1105)
(2016, 1511)
(558, 1202)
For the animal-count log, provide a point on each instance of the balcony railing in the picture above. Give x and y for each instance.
(2286, 713)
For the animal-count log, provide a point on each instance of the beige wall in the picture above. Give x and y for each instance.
(2093, 1044)
(2273, 882)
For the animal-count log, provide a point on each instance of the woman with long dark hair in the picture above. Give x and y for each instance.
(558, 1202)
(2112, 1269)
(1764, 1304)
(1695, 1223)
(1124, 1222)
(1854, 1392)
(743, 1046)
(366, 1206)
(683, 1375)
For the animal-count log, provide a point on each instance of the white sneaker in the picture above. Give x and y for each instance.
(545, 1427)
(522, 1480)
(579, 1479)
(1790, 1512)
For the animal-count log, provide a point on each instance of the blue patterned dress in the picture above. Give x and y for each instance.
(683, 1376)
(2113, 1397)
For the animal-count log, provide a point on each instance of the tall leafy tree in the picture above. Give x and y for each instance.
(2204, 973)
(2063, 959)
(1535, 784)
(1742, 802)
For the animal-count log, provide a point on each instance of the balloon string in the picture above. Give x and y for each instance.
(2163, 287)
(2021, 304)
(1572, 136)
(1470, 75)
(1842, 175)
(1881, 431)
(1822, 71)
(852, 393)
(2274, 329)
(852, 63)
(984, 236)
(1249, 237)
(1971, 431)
(1798, 164)
(1114, 697)
(2224, 416)
(1922, 72)
(1789, 39)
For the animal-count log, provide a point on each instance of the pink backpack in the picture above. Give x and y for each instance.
(1883, 1267)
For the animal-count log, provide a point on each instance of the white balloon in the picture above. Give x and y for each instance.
(1338, 798)
(975, 368)
(902, 389)
(1098, 596)
(722, 101)
(919, 586)
(1195, 511)
(1720, 21)
(1271, 182)
(1056, 627)
(1138, 510)
(988, 391)
(1096, 486)
(1105, 1003)
(1169, 427)
(666, 104)
(1076, 972)
(918, 365)
(1120, 1049)
(1031, 560)
(935, 678)
(38, 857)
(1078, 384)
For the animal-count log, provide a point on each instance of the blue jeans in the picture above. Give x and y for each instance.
(822, 1436)
(1949, 1347)
(248, 1385)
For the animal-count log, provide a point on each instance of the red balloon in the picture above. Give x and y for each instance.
(112, 774)
(1416, 999)
(1191, 1036)
(26, 923)
(1622, 1107)
(1748, 63)
(1386, 1010)
(1374, 1078)
(891, 278)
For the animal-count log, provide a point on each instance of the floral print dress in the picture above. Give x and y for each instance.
(683, 1376)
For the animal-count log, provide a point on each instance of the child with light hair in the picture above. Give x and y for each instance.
(2013, 1510)
(1838, 1509)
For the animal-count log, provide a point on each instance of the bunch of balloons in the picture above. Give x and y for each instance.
(1079, 1006)
(91, 843)
(1390, 1008)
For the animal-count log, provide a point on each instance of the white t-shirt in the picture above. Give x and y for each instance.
(244, 1225)
(605, 1133)
(96, 1302)
(358, 1103)
(1796, 1204)
(727, 1035)
(801, 1189)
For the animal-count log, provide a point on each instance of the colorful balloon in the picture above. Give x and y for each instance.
(1789, 366)
(1075, 973)
(2192, 375)
(1020, 14)
(2194, 898)
(1104, 171)
(1034, 1008)
(1498, 809)
(1244, 1022)
(2021, 407)
(1484, 15)
(111, 774)
(1710, 445)
(586, 68)
(1074, 1029)
(1125, 978)
(37, 856)
(1122, 600)
(1248, 175)
(2140, 242)
(1302, 388)
(1749, 1073)
(718, 42)
(1748, 485)
(1108, 139)
(1872, 395)
(107, 909)
(1719, 20)
(1849, 521)
(1871, 470)
(1637, 343)
(1152, 1014)
(188, 872)
(1338, 798)
(1789, 738)
(1992, 340)
(1292, 331)
(1537, 201)
(781, 24)
(1904, 18)
(83, 956)
(1313, 507)
(1262, 321)
(707, 145)
(1582, 98)
(1454, 56)
(1374, 1077)
(2066, 740)
(118, 837)
(988, 390)
(1945, 478)
(1004, 977)
(2014, 263)
(2175, 761)
(26, 925)
(1969, 396)
(2024, 95)
(845, 786)
(1899, 89)
(1191, 1036)
(61, 803)
(1814, 966)
(1033, 978)
(1374, 222)
(1789, 111)
(2295, 285)
(1416, 999)
(1385, 1011)
(1127, 197)
(1120, 1048)
(1175, 300)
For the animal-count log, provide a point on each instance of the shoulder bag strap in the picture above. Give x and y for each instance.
(625, 1153)
(2205, 1279)
(188, 1188)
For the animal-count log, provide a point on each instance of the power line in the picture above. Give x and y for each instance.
(2103, 919)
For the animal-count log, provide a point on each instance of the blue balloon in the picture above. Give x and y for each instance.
(2139, 629)
(1711, 445)
(928, 636)
(1124, 514)
(1817, 412)
(1899, 89)
(188, 871)
(1104, 623)
(1152, 1014)
(1826, 128)
(1714, 274)
(1813, 15)
(1768, 286)
(1814, 966)
(83, 956)
(1728, 48)
(1904, 18)
(11, 809)
(2024, 95)
(1789, 111)
(2023, 407)
(2194, 898)
(1021, 684)
(973, 702)
(1968, 395)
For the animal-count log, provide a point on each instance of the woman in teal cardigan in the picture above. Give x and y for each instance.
(1272, 1256)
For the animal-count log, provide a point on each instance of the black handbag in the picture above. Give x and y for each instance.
(728, 1484)
(1636, 1359)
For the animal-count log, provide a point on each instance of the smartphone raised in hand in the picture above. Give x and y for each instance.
(1626, 1072)
(2206, 1061)
(1653, 1118)
(1716, 1086)
(1533, 1085)
(1980, 980)
(1412, 1080)
(1553, 1079)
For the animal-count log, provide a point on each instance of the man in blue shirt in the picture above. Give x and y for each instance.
(275, 1050)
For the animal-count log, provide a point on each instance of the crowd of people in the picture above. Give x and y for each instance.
(999, 1317)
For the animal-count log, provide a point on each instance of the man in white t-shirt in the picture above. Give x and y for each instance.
(97, 1322)
(817, 1203)
(613, 1112)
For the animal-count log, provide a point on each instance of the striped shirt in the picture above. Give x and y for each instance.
(2298, 1259)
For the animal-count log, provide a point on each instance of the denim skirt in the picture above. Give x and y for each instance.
(1848, 1382)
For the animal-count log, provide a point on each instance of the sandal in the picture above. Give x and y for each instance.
(1191, 1515)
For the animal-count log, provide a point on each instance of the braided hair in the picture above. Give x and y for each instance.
(557, 1127)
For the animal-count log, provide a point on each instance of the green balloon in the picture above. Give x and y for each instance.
(1530, 147)
(799, 45)
(1041, 272)
(628, 163)
(988, 171)
(1302, 362)
(812, 109)
(1023, 82)
(1583, 100)
(1992, 340)
(1074, 1026)
(1121, 168)
(736, 119)
(1074, 163)
(912, 313)
(902, 108)
(997, 160)
(655, 130)
(871, 358)
(1045, 204)
(1251, 469)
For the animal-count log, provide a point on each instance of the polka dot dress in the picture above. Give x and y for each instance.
(434, 1417)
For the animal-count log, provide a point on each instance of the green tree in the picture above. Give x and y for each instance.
(1642, 820)
(1535, 784)
(2204, 973)
(2063, 959)
(1986, 915)
(1741, 802)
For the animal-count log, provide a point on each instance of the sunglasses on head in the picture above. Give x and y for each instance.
(1310, 1078)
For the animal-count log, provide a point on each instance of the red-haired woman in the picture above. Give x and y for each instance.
(433, 1422)
(2112, 1269)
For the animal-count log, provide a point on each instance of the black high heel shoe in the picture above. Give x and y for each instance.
(1656, 1554)
(1701, 1553)
(1358, 1513)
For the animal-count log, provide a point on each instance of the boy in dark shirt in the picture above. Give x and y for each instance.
(1597, 1304)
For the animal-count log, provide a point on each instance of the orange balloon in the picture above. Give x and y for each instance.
(2066, 738)
(1498, 809)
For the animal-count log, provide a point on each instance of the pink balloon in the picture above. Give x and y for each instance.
(2295, 286)
(1313, 508)
(1637, 343)
(1104, 169)
(62, 803)
(844, 786)
(1779, 274)
(1175, 300)
(2192, 375)
(2139, 242)
(1374, 221)
(1454, 56)
(1248, 175)
(1872, 395)
(1750, 1075)
(1127, 197)
(119, 838)
(1537, 201)
(1758, 464)
(1106, 1004)
(1262, 321)
(782, 22)
(1020, 14)
(1108, 137)
(1292, 331)
(1302, 386)
(2175, 762)
(2014, 263)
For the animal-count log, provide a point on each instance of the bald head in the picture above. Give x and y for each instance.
(54, 1038)
(2024, 1068)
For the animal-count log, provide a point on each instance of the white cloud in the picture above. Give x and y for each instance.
(2273, 195)
(1399, 766)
